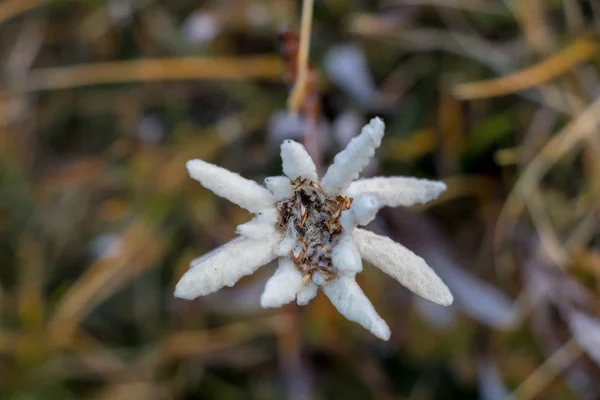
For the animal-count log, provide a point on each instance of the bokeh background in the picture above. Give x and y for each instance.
(103, 101)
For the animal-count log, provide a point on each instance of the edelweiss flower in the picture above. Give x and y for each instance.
(311, 227)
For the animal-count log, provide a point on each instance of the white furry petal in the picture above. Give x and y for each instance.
(319, 279)
(280, 186)
(306, 293)
(348, 163)
(361, 212)
(351, 302)
(398, 191)
(241, 191)
(264, 224)
(225, 265)
(403, 265)
(345, 255)
(288, 243)
(296, 161)
(283, 286)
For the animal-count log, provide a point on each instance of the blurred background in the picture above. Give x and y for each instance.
(103, 101)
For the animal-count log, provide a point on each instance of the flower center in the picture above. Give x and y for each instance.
(313, 219)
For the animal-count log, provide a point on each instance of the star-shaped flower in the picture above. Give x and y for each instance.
(311, 227)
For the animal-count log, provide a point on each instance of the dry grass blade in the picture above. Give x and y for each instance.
(30, 296)
(85, 355)
(586, 331)
(139, 250)
(25, 49)
(239, 68)
(479, 6)
(98, 364)
(584, 125)
(12, 8)
(498, 58)
(430, 39)
(580, 51)
(196, 343)
(548, 236)
(583, 232)
(533, 18)
(138, 390)
(540, 378)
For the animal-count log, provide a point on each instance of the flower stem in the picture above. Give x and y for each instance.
(298, 92)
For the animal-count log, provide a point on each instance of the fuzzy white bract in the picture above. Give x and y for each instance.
(311, 228)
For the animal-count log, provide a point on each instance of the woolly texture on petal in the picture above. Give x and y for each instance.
(296, 161)
(398, 191)
(351, 302)
(348, 163)
(306, 294)
(345, 255)
(260, 226)
(403, 265)
(362, 211)
(319, 279)
(286, 245)
(280, 186)
(283, 286)
(241, 191)
(225, 265)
